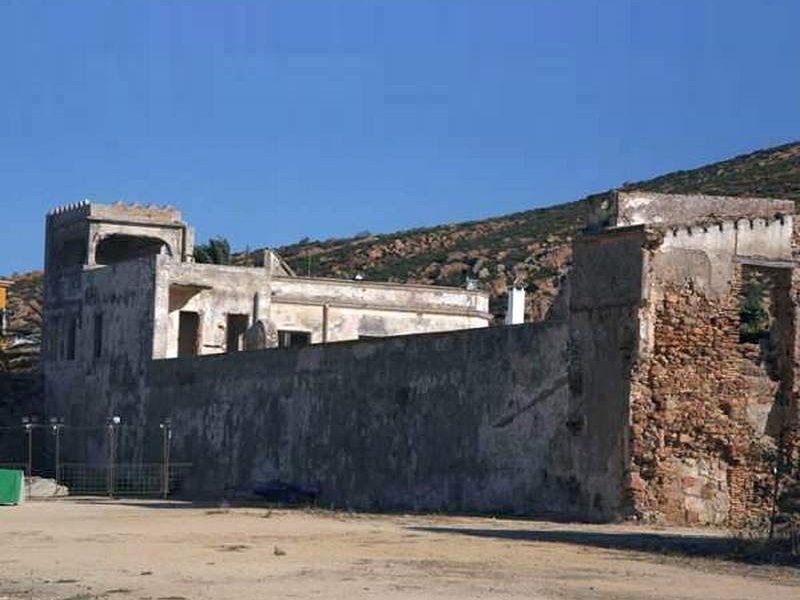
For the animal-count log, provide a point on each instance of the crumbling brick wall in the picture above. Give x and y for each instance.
(708, 407)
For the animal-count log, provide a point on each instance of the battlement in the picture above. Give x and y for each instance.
(69, 213)
(623, 209)
(88, 233)
(119, 212)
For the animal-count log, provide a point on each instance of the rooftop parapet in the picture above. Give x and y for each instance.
(69, 212)
(119, 212)
(623, 209)
(87, 234)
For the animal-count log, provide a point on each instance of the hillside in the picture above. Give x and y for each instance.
(20, 350)
(530, 248)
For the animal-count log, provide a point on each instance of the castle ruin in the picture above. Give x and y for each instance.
(661, 386)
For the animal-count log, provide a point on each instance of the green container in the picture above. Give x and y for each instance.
(12, 486)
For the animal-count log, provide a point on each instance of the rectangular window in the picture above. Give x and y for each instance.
(237, 325)
(188, 333)
(72, 338)
(53, 342)
(98, 335)
(293, 339)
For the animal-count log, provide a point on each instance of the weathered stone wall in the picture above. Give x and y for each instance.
(484, 419)
(605, 297)
(529, 419)
(707, 406)
(644, 398)
(473, 420)
(114, 303)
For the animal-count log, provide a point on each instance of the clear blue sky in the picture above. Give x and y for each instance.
(269, 121)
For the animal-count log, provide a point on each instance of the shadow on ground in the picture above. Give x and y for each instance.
(209, 505)
(748, 551)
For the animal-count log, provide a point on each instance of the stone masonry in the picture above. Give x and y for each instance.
(663, 387)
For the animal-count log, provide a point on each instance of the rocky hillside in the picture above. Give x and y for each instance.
(19, 351)
(531, 248)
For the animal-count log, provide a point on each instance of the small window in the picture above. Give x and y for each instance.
(293, 339)
(72, 254)
(53, 343)
(237, 325)
(72, 338)
(98, 335)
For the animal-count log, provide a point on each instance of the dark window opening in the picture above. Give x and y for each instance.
(293, 339)
(71, 254)
(53, 342)
(237, 325)
(72, 338)
(188, 333)
(98, 335)
(119, 248)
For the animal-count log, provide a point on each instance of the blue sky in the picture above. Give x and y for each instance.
(270, 121)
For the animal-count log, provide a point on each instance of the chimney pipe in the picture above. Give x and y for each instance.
(515, 314)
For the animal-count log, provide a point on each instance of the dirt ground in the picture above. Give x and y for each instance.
(82, 550)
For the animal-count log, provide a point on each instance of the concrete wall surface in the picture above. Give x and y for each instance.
(110, 312)
(463, 421)
(327, 309)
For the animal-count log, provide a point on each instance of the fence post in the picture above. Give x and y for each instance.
(27, 423)
(166, 437)
(56, 424)
(111, 455)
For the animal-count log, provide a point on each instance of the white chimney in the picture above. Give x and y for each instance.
(515, 314)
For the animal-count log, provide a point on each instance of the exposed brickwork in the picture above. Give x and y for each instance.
(706, 408)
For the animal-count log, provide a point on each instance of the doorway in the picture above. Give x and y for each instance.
(188, 333)
(237, 325)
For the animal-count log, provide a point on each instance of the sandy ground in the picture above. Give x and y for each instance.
(119, 550)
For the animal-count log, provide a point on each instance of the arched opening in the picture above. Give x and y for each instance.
(120, 247)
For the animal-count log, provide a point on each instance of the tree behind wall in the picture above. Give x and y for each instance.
(753, 315)
(216, 251)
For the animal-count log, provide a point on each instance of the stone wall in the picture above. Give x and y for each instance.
(708, 406)
(464, 421)
(112, 312)
(527, 419)
(645, 397)
(605, 295)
